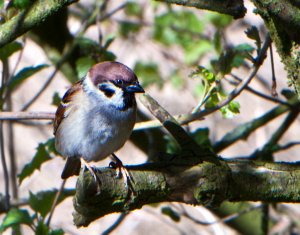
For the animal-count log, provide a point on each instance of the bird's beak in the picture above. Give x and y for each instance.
(136, 88)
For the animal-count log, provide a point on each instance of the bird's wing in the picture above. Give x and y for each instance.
(61, 110)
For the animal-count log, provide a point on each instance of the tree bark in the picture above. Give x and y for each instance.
(180, 180)
(37, 13)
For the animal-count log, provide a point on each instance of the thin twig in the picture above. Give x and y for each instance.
(265, 218)
(274, 84)
(12, 153)
(42, 89)
(55, 202)
(4, 166)
(111, 228)
(13, 116)
(4, 78)
(288, 145)
(260, 94)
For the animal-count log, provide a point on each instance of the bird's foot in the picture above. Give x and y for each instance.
(93, 170)
(121, 171)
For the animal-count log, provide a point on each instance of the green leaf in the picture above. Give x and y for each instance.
(176, 80)
(83, 65)
(15, 217)
(108, 56)
(177, 27)
(108, 41)
(230, 110)
(253, 33)
(127, 28)
(56, 99)
(9, 49)
(148, 73)
(171, 213)
(22, 4)
(194, 50)
(212, 101)
(203, 73)
(42, 201)
(41, 229)
(217, 41)
(220, 21)
(232, 58)
(23, 74)
(1, 3)
(39, 158)
(201, 136)
(57, 232)
(171, 145)
(50, 146)
(88, 47)
(133, 9)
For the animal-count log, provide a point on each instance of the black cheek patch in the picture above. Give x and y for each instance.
(108, 92)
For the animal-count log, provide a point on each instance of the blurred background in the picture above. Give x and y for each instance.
(165, 45)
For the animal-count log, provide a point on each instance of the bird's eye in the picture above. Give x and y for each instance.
(119, 82)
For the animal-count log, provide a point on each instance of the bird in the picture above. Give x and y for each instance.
(96, 116)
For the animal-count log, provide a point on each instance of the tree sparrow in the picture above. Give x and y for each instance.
(96, 116)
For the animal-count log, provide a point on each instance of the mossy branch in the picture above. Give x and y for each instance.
(37, 13)
(283, 21)
(205, 183)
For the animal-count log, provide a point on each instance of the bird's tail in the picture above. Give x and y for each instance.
(72, 167)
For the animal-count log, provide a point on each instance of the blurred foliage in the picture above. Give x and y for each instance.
(9, 49)
(148, 73)
(23, 74)
(22, 4)
(248, 223)
(42, 155)
(16, 217)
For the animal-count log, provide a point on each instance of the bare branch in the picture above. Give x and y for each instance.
(13, 116)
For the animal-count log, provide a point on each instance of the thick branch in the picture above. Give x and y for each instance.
(262, 181)
(283, 22)
(206, 183)
(30, 18)
(234, 8)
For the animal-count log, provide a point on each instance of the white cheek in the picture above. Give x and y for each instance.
(117, 99)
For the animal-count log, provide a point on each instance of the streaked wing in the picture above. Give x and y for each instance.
(61, 110)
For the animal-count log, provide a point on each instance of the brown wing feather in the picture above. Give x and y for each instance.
(67, 98)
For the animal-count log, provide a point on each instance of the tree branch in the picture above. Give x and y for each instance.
(29, 18)
(14, 116)
(234, 8)
(283, 22)
(206, 184)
